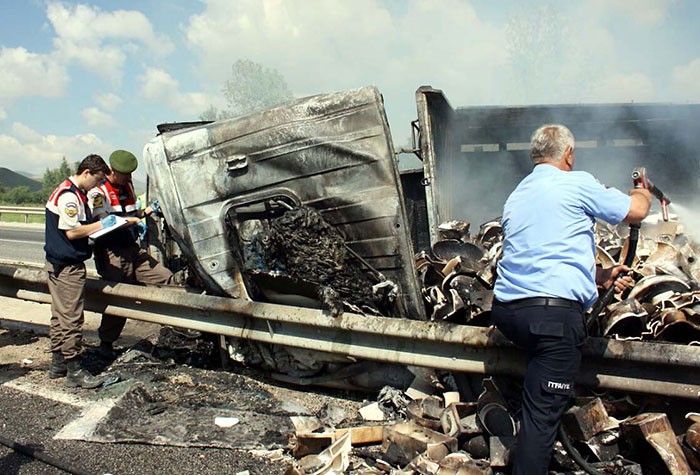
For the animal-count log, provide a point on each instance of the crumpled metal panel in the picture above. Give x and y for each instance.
(332, 152)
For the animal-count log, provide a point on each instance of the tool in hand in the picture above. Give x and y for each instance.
(640, 180)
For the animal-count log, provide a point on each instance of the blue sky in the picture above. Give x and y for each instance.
(89, 77)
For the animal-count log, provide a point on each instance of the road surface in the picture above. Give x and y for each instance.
(25, 243)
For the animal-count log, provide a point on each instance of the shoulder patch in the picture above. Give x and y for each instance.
(71, 209)
(97, 200)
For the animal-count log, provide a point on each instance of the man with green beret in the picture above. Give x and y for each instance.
(118, 257)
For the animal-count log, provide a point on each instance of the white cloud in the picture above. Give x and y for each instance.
(336, 44)
(95, 118)
(562, 53)
(3, 114)
(99, 40)
(108, 101)
(644, 12)
(635, 87)
(25, 134)
(24, 74)
(685, 80)
(88, 24)
(36, 152)
(158, 85)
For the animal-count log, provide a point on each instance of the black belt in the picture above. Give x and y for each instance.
(542, 302)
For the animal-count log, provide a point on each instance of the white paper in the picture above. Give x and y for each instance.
(117, 224)
(226, 421)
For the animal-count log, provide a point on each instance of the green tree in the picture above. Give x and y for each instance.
(19, 195)
(54, 176)
(251, 87)
(212, 114)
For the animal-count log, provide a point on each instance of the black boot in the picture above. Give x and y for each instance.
(106, 351)
(78, 377)
(58, 365)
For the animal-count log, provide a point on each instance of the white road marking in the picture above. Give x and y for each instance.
(24, 242)
(84, 426)
(52, 394)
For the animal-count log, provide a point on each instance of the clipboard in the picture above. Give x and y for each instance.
(119, 223)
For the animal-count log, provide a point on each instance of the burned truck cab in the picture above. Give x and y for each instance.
(224, 186)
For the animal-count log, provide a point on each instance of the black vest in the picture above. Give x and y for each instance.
(61, 251)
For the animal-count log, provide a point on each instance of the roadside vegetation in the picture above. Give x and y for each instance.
(24, 196)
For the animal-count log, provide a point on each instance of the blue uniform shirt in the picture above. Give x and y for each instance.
(548, 247)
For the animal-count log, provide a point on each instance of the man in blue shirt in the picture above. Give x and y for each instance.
(547, 279)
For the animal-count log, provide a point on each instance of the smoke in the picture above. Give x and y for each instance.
(689, 216)
(560, 54)
(485, 152)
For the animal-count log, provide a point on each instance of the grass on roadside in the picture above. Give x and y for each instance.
(19, 218)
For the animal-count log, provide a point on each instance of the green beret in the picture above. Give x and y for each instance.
(123, 161)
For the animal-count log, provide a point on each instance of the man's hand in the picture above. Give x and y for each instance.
(606, 278)
(131, 220)
(153, 208)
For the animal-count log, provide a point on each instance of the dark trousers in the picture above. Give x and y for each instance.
(552, 337)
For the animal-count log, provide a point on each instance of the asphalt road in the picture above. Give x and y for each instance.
(25, 244)
(34, 409)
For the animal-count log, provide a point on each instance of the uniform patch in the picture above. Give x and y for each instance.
(97, 200)
(71, 209)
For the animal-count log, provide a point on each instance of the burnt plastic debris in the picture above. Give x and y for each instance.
(304, 246)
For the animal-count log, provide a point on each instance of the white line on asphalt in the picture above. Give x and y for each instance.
(84, 426)
(21, 230)
(25, 242)
(40, 231)
(54, 395)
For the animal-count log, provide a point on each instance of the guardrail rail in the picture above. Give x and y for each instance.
(26, 211)
(635, 366)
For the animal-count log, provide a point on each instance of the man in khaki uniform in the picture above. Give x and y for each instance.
(68, 225)
(118, 256)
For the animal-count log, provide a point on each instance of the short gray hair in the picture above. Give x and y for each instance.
(549, 143)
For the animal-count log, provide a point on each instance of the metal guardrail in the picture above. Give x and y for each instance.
(647, 367)
(26, 211)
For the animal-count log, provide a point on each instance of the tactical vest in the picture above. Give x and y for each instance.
(61, 251)
(121, 201)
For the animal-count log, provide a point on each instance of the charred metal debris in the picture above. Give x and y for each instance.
(457, 279)
(432, 431)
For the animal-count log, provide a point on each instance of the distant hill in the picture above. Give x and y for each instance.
(12, 179)
(33, 176)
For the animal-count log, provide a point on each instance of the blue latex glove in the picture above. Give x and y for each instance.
(155, 206)
(109, 220)
(142, 230)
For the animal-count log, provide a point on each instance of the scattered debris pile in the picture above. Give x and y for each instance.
(665, 302)
(442, 435)
(457, 279)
